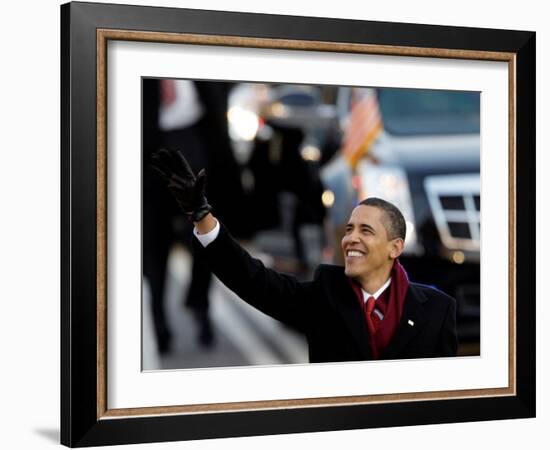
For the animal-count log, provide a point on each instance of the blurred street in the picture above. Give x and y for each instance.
(243, 335)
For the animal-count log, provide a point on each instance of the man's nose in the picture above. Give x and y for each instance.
(352, 237)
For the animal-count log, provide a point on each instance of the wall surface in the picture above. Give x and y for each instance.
(29, 237)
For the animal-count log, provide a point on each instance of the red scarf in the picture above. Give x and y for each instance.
(390, 304)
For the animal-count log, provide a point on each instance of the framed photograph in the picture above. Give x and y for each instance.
(298, 122)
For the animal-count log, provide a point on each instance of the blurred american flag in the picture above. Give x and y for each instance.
(364, 126)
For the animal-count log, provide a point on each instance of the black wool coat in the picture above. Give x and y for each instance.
(326, 309)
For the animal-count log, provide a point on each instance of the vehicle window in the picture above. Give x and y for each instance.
(418, 111)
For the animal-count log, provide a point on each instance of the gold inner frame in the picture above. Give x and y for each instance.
(103, 36)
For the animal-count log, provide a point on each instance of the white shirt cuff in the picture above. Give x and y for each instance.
(207, 238)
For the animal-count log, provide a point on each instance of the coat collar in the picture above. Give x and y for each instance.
(412, 321)
(345, 302)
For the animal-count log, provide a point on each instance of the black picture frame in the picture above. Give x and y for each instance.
(84, 421)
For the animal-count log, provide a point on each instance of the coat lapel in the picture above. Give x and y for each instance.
(412, 321)
(346, 303)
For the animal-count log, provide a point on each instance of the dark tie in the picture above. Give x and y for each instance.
(372, 317)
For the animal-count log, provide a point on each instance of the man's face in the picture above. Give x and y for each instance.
(367, 250)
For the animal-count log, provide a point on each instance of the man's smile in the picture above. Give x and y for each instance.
(354, 253)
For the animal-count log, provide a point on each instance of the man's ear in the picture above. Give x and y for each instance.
(397, 246)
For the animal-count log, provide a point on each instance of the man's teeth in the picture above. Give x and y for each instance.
(354, 253)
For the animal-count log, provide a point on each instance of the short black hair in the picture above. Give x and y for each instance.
(394, 221)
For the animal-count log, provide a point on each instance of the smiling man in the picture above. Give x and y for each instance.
(366, 310)
(375, 237)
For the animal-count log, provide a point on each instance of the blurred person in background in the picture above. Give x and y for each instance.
(187, 116)
(366, 310)
(279, 167)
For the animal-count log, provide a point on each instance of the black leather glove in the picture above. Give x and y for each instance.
(187, 189)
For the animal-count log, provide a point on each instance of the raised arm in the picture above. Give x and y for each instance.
(280, 296)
